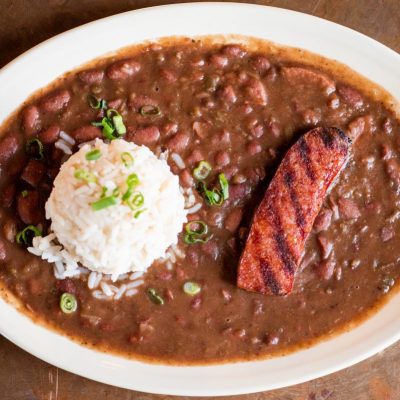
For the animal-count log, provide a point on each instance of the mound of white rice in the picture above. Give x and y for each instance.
(112, 240)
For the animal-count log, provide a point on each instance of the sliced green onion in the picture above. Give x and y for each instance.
(93, 155)
(27, 234)
(119, 124)
(24, 193)
(224, 186)
(68, 303)
(139, 212)
(108, 129)
(34, 149)
(111, 112)
(127, 159)
(213, 197)
(93, 101)
(97, 124)
(155, 297)
(105, 202)
(196, 227)
(202, 170)
(191, 288)
(193, 239)
(138, 200)
(196, 232)
(84, 175)
(103, 191)
(132, 180)
(115, 192)
(150, 110)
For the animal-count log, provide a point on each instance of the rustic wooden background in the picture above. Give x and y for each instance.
(24, 23)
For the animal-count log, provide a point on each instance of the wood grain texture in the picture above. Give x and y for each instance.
(23, 377)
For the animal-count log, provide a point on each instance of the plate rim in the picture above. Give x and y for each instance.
(109, 363)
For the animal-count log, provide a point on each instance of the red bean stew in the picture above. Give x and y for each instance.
(238, 108)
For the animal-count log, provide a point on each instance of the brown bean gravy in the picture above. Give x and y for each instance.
(232, 106)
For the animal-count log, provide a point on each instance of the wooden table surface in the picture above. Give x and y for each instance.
(24, 23)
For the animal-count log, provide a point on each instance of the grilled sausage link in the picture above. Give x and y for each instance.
(287, 212)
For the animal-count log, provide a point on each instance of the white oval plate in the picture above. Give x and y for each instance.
(42, 64)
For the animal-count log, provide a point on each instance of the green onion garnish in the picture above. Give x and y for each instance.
(24, 193)
(103, 192)
(155, 297)
(191, 288)
(202, 170)
(224, 186)
(196, 232)
(213, 196)
(119, 125)
(68, 303)
(132, 180)
(34, 149)
(139, 212)
(96, 103)
(150, 110)
(27, 234)
(93, 155)
(113, 125)
(127, 159)
(104, 203)
(84, 176)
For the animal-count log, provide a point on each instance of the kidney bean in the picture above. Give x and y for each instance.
(145, 135)
(200, 129)
(305, 76)
(50, 135)
(170, 128)
(227, 95)
(195, 157)
(30, 120)
(227, 296)
(238, 192)
(356, 128)
(233, 220)
(387, 233)
(3, 251)
(8, 147)
(222, 158)
(7, 195)
(55, 101)
(168, 75)
(186, 178)
(115, 103)
(218, 60)
(10, 230)
(350, 96)
(86, 133)
(393, 170)
(33, 172)
(192, 256)
(66, 285)
(257, 92)
(326, 246)
(178, 142)
(260, 64)
(164, 275)
(233, 50)
(323, 220)
(255, 175)
(123, 69)
(348, 208)
(326, 268)
(29, 208)
(91, 76)
(195, 304)
(137, 101)
(210, 249)
(253, 148)
(230, 171)
(257, 131)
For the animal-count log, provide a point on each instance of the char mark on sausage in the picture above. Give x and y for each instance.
(287, 212)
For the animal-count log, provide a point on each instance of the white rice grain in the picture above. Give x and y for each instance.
(63, 146)
(178, 160)
(70, 140)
